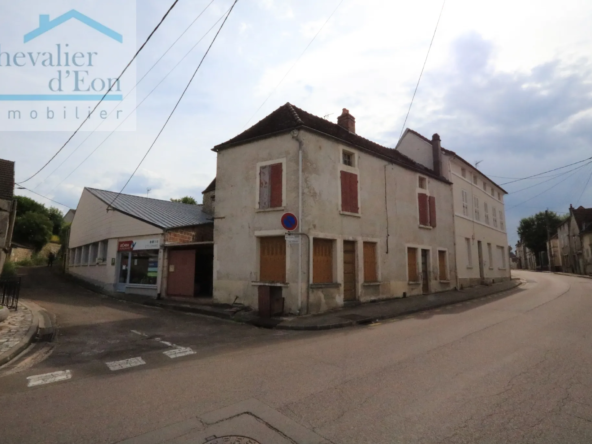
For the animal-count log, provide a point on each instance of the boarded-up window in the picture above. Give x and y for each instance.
(272, 252)
(349, 192)
(370, 272)
(270, 186)
(442, 265)
(322, 261)
(412, 265)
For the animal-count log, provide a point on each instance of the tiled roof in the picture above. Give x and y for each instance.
(289, 117)
(583, 217)
(161, 213)
(6, 179)
(452, 153)
(210, 187)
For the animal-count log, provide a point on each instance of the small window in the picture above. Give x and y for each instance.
(465, 203)
(412, 271)
(322, 261)
(84, 260)
(469, 252)
(94, 253)
(463, 172)
(348, 158)
(475, 179)
(492, 192)
(442, 265)
(423, 183)
(484, 186)
(370, 272)
(499, 196)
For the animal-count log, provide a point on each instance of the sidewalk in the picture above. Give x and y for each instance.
(570, 274)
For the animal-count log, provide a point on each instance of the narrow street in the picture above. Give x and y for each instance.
(512, 367)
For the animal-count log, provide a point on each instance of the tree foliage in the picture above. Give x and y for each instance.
(33, 229)
(186, 200)
(533, 230)
(26, 205)
(57, 219)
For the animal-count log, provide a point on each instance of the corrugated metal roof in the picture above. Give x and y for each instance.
(162, 213)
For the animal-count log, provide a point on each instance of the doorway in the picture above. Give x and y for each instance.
(425, 271)
(349, 271)
(123, 276)
(480, 255)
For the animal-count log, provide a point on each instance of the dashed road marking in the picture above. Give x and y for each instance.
(178, 352)
(139, 333)
(126, 363)
(48, 378)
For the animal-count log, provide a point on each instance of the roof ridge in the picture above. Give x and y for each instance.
(139, 197)
(294, 113)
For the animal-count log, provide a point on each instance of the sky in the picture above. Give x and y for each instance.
(507, 84)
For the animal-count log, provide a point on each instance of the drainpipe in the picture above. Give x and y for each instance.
(295, 136)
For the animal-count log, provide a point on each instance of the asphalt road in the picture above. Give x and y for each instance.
(510, 368)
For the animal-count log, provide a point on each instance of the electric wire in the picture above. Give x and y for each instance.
(143, 100)
(105, 95)
(584, 189)
(41, 195)
(127, 95)
(549, 179)
(422, 68)
(545, 172)
(294, 64)
(177, 104)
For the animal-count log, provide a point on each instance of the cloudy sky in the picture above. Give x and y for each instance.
(507, 83)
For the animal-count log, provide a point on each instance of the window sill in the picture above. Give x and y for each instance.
(267, 210)
(269, 284)
(371, 283)
(425, 227)
(140, 285)
(414, 283)
(445, 281)
(347, 213)
(326, 285)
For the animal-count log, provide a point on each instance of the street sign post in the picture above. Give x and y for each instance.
(289, 221)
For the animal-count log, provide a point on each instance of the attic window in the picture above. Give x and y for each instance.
(463, 172)
(348, 158)
(475, 179)
(423, 184)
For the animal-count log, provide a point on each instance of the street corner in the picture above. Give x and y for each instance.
(17, 332)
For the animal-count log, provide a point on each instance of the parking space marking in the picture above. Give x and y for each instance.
(125, 363)
(48, 378)
(179, 352)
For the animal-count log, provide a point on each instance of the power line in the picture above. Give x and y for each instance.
(294, 64)
(105, 95)
(545, 172)
(584, 189)
(177, 104)
(422, 68)
(41, 195)
(550, 179)
(143, 100)
(127, 95)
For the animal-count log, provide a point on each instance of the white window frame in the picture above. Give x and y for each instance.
(284, 174)
(494, 212)
(501, 221)
(486, 213)
(477, 214)
(465, 202)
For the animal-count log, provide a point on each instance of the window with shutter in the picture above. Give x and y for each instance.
(432, 201)
(442, 265)
(272, 263)
(423, 205)
(370, 270)
(349, 192)
(322, 261)
(413, 275)
(271, 186)
(465, 203)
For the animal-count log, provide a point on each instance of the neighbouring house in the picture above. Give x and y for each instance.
(7, 208)
(373, 223)
(143, 246)
(481, 240)
(554, 253)
(575, 237)
(69, 216)
(526, 257)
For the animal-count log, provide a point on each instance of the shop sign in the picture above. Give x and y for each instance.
(139, 244)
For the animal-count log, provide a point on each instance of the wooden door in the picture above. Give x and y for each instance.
(425, 271)
(181, 273)
(349, 271)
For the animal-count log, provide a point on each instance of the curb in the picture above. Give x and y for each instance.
(572, 275)
(190, 309)
(27, 340)
(268, 323)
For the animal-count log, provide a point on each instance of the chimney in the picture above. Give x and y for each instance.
(437, 154)
(347, 121)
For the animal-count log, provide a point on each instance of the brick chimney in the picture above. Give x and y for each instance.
(347, 121)
(437, 154)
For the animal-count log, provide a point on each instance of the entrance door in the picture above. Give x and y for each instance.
(124, 269)
(480, 252)
(181, 275)
(349, 271)
(425, 271)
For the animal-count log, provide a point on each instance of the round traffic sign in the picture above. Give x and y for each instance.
(289, 221)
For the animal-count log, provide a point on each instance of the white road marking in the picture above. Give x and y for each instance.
(48, 378)
(167, 343)
(139, 333)
(178, 352)
(126, 363)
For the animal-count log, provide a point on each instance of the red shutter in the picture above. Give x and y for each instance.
(275, 175)
(432, 211)
(422, 202)
(349, 192)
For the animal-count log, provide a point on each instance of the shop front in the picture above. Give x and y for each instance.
(138, 266)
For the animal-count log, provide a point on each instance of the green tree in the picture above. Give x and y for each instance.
(186, 200)
(33, 229)
(533, 230)
(27, 205)
(57, 219)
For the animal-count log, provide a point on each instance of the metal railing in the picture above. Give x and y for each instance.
(9, 292)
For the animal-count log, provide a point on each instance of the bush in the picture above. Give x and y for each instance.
(34, 261)
(8, 271)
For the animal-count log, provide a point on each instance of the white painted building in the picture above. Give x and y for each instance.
(481, 240)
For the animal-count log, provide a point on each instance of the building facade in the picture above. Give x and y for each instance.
(481, 241)
(7, 209)
(372, 223)
(575, 241)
